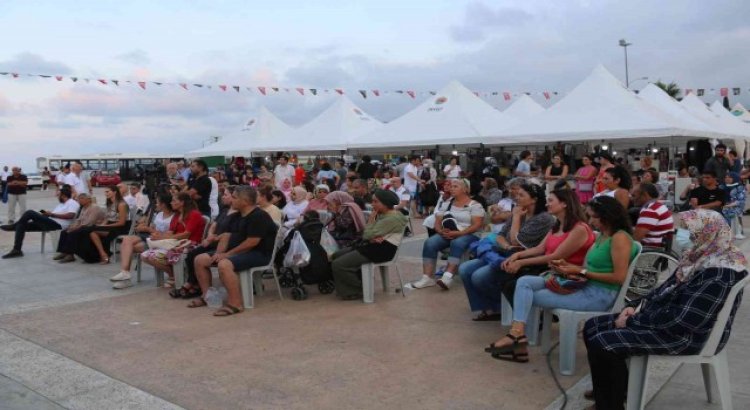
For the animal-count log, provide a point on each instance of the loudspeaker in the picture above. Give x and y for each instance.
(698, 152)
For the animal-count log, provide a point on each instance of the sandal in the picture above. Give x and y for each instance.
(487, 317)
(227, 310)
(184, 293)
(169, 283)
(511, 352)
(197, 303)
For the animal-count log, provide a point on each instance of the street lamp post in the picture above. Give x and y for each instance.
(624, 44)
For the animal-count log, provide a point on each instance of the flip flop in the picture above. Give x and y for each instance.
(487, 317)
(227, 310)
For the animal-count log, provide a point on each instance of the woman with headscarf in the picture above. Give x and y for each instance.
(380, 240)
(319, 203)
(677, 317)
(736, 194)
(286, 189)
(296, 207)
(348, 220)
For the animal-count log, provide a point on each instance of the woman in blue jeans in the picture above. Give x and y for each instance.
(528, 226)
(605, 271)
(455, 228)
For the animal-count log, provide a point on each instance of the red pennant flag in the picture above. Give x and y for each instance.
(688, 91)
(506, 96)
(301, 91)
(142, 84)
(364, 93)
(15, 75)
(376, 92)
(236, 88)
(340, 91)
(58, 77)
(223, 87)
(183, 85)
(103, 81)
(411, 93)
(262, 90)
(546, 95)
(725, 92)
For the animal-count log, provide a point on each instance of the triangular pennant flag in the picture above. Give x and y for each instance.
(183, 85)
(506, 96)
(249, 89)
(494, 93)
(400, 91)
(301, 91)
(724, 92)
(142, 84)
(364, 93)
(48, 76)
(236, 88)
(74, 79)
(87, 80)
(15, 75)
(4, 73)
(688, 91)
(157, 83)
(286, 89)
(476, 93)
(735, 91)
(223, 87)
(115, 82)
(209, 86)
(58, 77)
(376, 92)
(433, 92)
(196, 85)
(103, 81)
(546, 95)
(340, 91)
(275, 89)
(314, 91)
(262, 90)
(411, 94)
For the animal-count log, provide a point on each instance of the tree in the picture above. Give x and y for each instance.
(672, 89)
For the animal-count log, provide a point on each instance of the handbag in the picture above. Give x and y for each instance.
(449, 221)
(166, 244)
(328, 243)
(558, 284)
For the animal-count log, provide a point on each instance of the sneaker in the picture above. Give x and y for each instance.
(739, 236)
(120, 276)
(15, 253)
(425, 282)
(445, 281)
(122, 284)
(58, 256)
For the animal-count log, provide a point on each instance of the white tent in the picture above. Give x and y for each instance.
(454, 115)
(332, 130)
(735, 123)
(740, 112)
(258, 130)
(599, 108)
(661, 100)
(523, 109)
(726, 129)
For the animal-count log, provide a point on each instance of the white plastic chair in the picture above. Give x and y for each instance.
(569, 320)
(714, 366)
(252, 279)
(114, 246)
(54, 238)
(178, 268)
(368, 275)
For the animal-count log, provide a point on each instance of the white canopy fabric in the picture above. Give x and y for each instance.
(741, 112)
(661, 100)
(735, 123)
(454, 115)
(599, 108)
(727, 129)
(332, 130)
(260, 129)
(523, 109)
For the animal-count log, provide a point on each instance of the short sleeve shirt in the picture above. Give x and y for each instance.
(402, 193)
(17, 190)
(194, 224)
(256, 224)
(706, 196)
(71, 206)
(657, 219)
(463, 214)
(523, 168)
(410, 183)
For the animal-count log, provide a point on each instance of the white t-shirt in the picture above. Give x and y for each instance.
(463, 214)
(409, 182)
(213, 198)
(69, 206)
(280, 173)
(78, 184)
(505, 205)
(429, 222)
(451, 171)
(4, 175)
(523, 168)
(161, 222)
(402, 193)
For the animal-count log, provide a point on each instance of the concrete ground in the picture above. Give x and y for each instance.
(67, 340)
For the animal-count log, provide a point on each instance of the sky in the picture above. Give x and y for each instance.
(514, 46)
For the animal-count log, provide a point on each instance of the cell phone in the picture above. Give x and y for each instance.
(42, 211)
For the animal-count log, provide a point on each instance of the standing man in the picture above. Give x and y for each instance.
(340, 169)
(411, 182)
(17, 183)
(4, 174)
(523, 169)
(77, 180)
(735, 162)
(283, 171)
(718, 164)
(708, 195)
(184, 171)
(199, 186)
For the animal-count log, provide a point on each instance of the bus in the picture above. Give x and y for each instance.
(128, 166)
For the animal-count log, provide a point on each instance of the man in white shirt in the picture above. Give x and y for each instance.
(524, 165)
(4, 175)
(283, 171)
(411, 181)
(76, 180)
(59, 218)
(403, 195)
(136, 198)
(213, 198)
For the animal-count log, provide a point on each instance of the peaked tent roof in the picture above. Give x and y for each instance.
(332, 130)
(454, 115)
(741, 112)
(730, 120)
(661, 100)
(699, 109)
(259, 129)
(523, 109)
(600, 107)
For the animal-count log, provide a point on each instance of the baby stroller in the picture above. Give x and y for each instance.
(318, 271)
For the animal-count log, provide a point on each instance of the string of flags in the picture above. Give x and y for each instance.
(265, 90)
(723, 92)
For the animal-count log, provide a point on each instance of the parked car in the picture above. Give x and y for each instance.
(35, 181)
(105, 178)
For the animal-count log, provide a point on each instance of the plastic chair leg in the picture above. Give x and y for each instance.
(721, 373)
(532, 326)
(368, 283)
(506, 312)
(568, 339)
(384, 278)
(179, 273)
(246, 286)
(257, 279)
(278, 285)
(138, 267)
(400, 280)
(637, 382)
(44, 235)
(546, 330)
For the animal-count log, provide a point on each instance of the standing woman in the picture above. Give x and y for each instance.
(96, 246)
(452, 170)
(585, 177)
(605, 163)
(617, 183)
(555, 171)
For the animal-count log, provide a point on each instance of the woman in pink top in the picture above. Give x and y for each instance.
(585, 177)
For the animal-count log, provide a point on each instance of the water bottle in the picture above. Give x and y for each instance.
(213, 298)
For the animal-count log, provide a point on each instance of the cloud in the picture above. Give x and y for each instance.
(479, 19)
(34, 64)
(136, 57)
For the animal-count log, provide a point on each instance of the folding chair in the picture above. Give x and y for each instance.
(368, 275)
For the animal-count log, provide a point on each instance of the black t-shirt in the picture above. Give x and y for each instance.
(366, 170)
(16, 190)
(256, 224)
(706, 196)
(224, 221)
(202, 185)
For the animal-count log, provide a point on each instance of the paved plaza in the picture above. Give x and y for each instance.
(69, 341)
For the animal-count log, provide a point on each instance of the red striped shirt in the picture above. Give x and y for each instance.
(657, 219)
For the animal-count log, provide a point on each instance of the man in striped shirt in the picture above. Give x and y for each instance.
(655, 221)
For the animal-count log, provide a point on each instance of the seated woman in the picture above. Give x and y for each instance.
(294, 209)
(605, 270)
(265, 202)
(490, 192)
(187, 223)
(380, 239)
(318, 203)
(677, 317)
(736, 193)
(483, 277)
(137, 243)
(278, 198)
(95, 246)
(348, 221)
(617, 182)
(455, 228)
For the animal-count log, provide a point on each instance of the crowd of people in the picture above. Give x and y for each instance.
(551, 237)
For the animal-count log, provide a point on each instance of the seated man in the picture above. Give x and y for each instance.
(71, 236)
(361, 193)
(403, 194)
(655, 223)
(43, 221)
(709, 195)
(135, 198)
(248, 243)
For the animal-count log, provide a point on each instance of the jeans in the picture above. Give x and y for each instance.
(483, 285)
(530, 290)
(434, 244)
(33, 221)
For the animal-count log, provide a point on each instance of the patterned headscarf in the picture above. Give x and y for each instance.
(713, 246)
(346, 202)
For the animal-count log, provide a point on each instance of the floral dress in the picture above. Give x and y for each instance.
(736, 197)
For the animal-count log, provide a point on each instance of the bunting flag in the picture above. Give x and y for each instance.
(338, 90)
(506, 96)
(364, 93)
(58, 77)
(688, 91)
(433, 92)
(184, 85)
(262, 90)
(115, 82)
(236, 88)
(411, 94)
(701, 91)
(314, 91)
(142, 84)
(223, 87)
(376, 92)
(275, 89)
(15, 75)
(74, 79)
(102, 81)
(157, 83)
(736, 91)
(300, 90)
(724, 92)
(196, 85)
(546, 95)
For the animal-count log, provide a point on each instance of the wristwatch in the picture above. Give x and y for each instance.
(583, 272)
